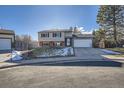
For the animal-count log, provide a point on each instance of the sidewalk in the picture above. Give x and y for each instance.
(114, 57)
(119, 58)
(4, 57)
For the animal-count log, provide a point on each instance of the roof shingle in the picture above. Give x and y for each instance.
(4, 31)
(55, 30)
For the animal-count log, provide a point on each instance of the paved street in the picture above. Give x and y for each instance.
(75, 74)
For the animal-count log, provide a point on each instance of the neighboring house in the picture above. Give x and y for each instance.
(7, 39)
(64, 37)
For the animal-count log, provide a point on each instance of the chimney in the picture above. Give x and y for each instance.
(75, 29)
(71, 28)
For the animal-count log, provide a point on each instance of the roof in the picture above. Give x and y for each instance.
(55, 30)
(4, 31)
(83, 35)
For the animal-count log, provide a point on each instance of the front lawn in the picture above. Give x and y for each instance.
(52, 52)
(121, 50)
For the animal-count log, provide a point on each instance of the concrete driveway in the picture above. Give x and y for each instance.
(89, 53)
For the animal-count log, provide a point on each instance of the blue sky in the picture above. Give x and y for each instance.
(31, 19)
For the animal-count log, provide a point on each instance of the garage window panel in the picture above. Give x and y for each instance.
(5, 44)
(82, 42)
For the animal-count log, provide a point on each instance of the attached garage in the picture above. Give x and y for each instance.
(82, 42)
(7, 38)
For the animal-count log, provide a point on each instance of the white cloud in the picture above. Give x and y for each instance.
(81, 29)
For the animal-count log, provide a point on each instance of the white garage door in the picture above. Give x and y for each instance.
(5, 44)
(82, 42)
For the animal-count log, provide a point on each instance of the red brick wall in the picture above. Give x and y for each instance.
(40, 43)
(52, 43)
(62, 44)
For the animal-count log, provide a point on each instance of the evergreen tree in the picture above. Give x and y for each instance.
(111, 19)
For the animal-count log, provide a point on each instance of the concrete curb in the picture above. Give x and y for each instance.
(48, 62)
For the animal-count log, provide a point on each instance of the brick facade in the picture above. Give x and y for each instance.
(51, 43)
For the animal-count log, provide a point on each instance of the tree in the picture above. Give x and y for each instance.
(99, 38)
(111, 19)
(23, 42)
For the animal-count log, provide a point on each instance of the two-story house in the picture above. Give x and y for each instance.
(55, 37)
(64, 37)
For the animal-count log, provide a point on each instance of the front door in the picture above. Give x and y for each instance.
(68, 41)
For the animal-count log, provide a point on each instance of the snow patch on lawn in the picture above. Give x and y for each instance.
(16, 55)
(68, 51)
(65, 51)
(110, 52)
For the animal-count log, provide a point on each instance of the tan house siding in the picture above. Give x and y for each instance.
(50, 38)
(68, 34)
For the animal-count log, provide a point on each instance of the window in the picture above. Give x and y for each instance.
(45, 43)
(57, 34)
(58, 43)
(45, 35)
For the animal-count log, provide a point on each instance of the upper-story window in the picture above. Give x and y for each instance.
(57, 34)
(45, 35)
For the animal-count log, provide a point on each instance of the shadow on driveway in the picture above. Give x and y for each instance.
(79, 63)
